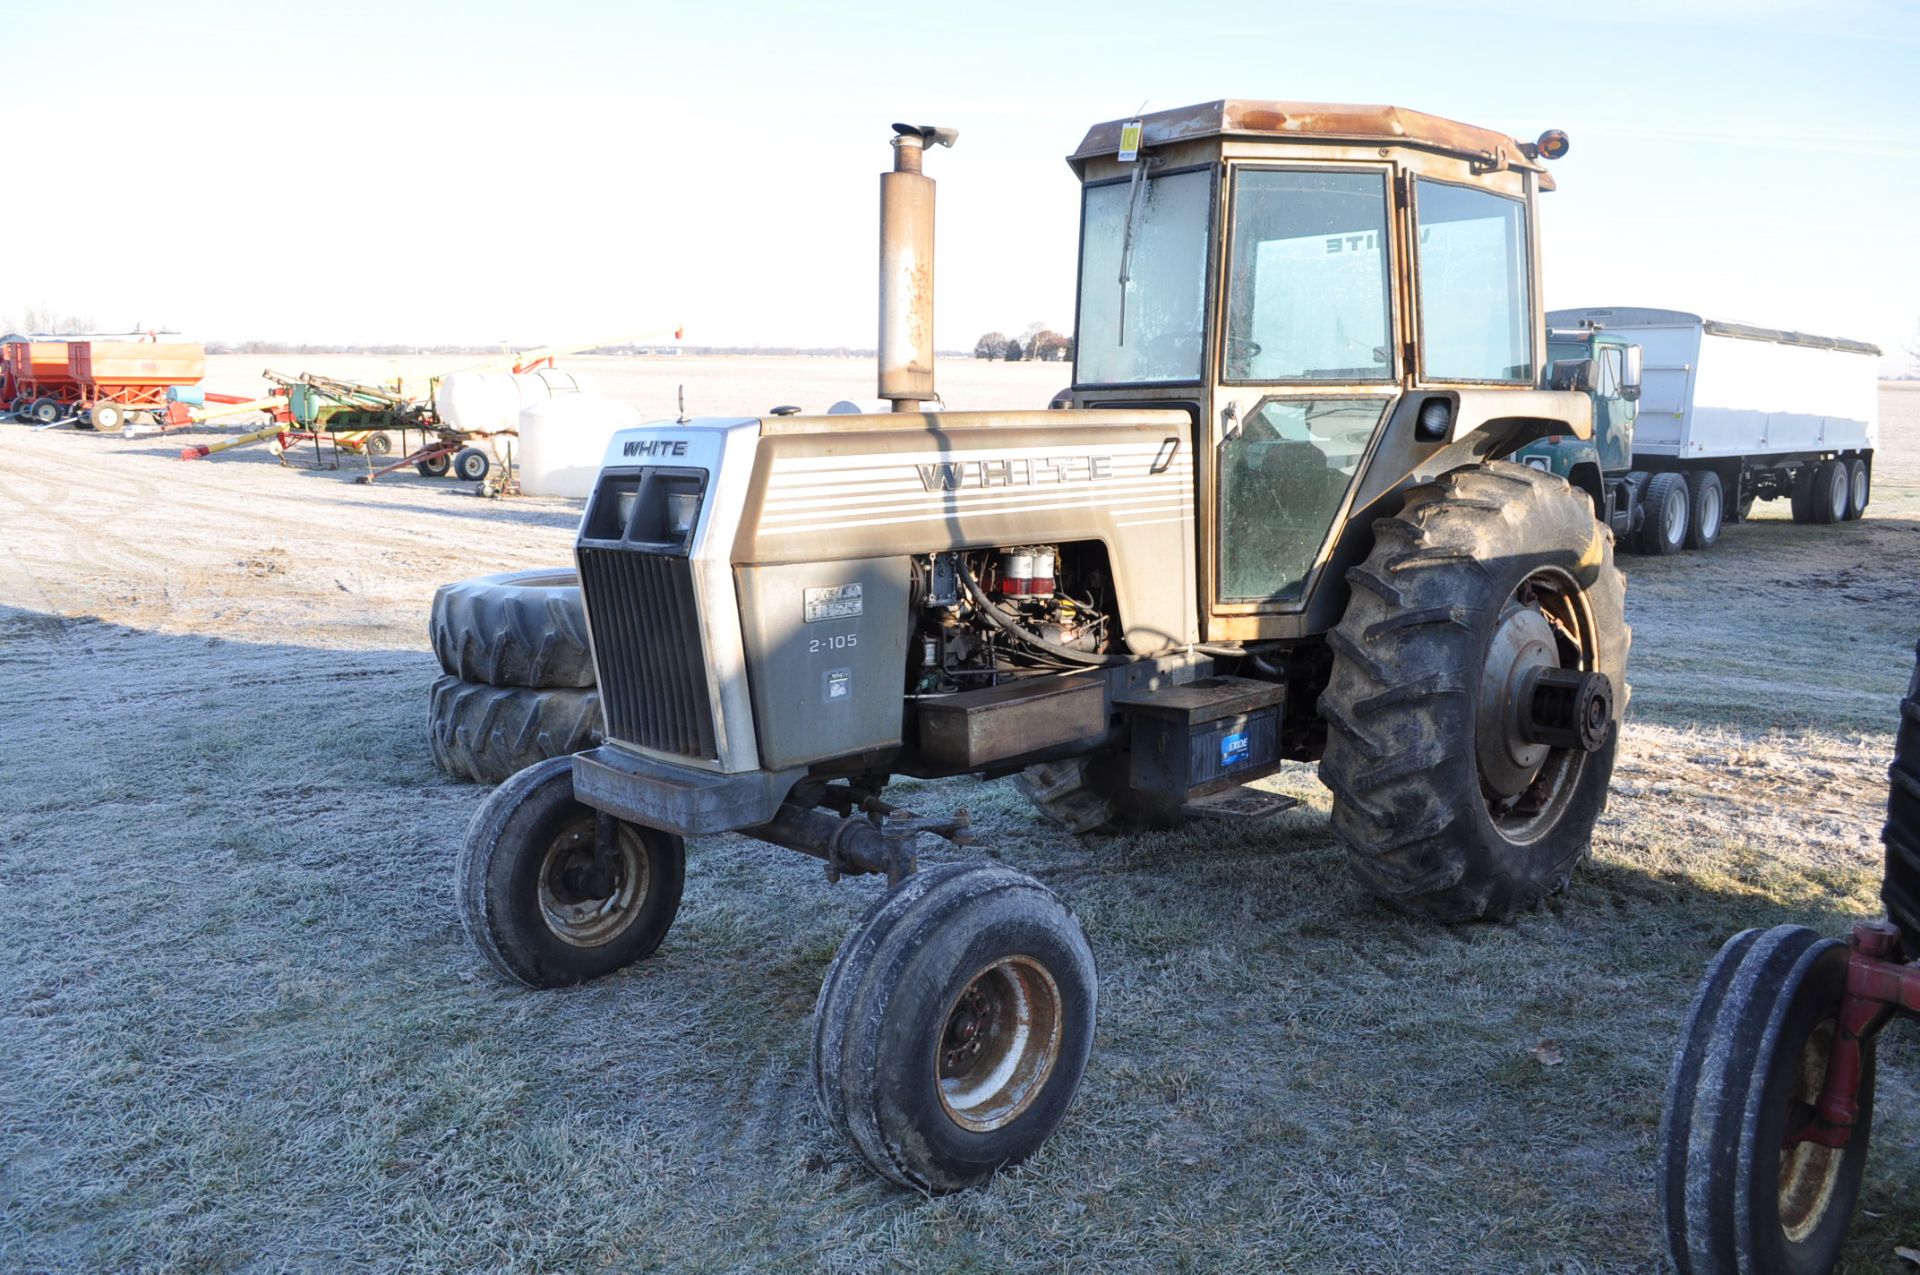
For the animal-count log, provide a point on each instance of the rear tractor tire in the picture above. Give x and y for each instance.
(539, 898)
(1739, 1195)
(954, 1025)
(1667, 526)
(486, 734)
(1487, 579)
(515, 628)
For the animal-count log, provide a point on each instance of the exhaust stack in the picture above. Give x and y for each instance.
(906, 268)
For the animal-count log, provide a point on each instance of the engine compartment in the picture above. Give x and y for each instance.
(984, 617)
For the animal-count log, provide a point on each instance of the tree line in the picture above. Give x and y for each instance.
(1038, 342)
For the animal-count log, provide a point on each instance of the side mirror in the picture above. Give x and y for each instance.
(1630, 383)
(1571, 374)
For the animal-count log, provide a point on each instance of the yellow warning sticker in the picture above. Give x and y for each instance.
(1130, 141)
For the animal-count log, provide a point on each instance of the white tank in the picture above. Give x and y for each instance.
(485, 402)
(563, 440)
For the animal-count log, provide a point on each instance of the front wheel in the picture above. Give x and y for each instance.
(544, 902)
(1489, 604)
(954, 1025)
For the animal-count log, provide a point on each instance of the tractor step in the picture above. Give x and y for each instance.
(1239, 803)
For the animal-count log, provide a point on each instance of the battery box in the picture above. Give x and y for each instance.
(1203, 736)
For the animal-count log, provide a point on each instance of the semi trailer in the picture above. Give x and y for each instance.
(1696, 419)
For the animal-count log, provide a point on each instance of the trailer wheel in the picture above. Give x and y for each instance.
(1859, 487)
(379, 443)
(1665, 529)
(1805, 506)
(1832, 492)
(953, 1027)
(107, 418)
(1487, 575)
(540, 901)
(470, 464)
(1705, 509)
(1737, 1195)
(46, 410)
(516, 628)
(1901, 887)
(486, 734)
(437, 467)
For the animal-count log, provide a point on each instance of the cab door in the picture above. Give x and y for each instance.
(1308, 365)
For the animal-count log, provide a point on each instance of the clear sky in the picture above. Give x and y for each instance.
(397, 171)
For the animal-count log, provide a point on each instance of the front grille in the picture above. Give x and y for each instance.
(646, 644)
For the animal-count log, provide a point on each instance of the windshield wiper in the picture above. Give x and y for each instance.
(1136, 206)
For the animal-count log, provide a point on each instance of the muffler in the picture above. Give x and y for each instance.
(906, 268)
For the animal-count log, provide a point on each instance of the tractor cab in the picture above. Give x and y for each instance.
(1341, 298)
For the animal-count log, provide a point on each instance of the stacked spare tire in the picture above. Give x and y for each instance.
(518, 684)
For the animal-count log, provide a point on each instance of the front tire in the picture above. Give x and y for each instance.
(1486, 573)
(954, 1025)
(107, 418)
(536, 901)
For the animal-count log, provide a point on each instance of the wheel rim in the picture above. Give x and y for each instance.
(1837, 492)
(1709, 513)
(1809, 1172)
(1527, 785)
(585, 905)
(1673, 519)
(1859, 486)
(998, 1043)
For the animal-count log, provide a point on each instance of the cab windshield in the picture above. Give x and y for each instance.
(1143, 279)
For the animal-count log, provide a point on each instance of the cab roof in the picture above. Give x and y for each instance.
(1316, 121)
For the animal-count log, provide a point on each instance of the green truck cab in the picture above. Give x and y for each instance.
(1607, 368)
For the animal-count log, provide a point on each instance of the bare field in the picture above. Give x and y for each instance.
(240, 1029)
